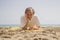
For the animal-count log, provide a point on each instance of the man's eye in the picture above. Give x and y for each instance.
(31, 14)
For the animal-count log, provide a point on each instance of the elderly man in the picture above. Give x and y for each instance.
(30, 21)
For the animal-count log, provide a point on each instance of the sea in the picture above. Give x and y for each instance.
(18, 25)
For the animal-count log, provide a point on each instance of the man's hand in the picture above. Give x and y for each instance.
(26, 26)
(27, 21)
(35, 27)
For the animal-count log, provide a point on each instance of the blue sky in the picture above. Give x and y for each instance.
(48, 11)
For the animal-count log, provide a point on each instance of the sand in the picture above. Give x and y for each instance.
(48, 33)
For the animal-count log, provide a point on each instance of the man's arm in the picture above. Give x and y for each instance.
(37, 22)
(26, 25)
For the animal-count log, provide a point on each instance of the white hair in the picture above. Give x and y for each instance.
(29, 8)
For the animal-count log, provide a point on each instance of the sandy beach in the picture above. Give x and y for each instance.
(48, 33)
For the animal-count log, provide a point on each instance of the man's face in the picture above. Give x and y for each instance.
(29, 13)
